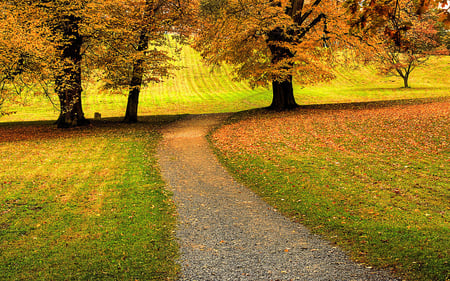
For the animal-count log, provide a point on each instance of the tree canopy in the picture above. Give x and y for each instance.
(58, 44)
(110, 38)
(270, 41)
(22, 51)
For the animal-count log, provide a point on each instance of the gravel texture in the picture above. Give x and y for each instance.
(226, 232)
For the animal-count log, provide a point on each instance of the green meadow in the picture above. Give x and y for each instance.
(196, 89)
(363, 162)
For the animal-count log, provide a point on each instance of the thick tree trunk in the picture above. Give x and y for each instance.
(68, 77)
(132, 104)
(71, 112)
(282, 91)
(131, 114)
(283, 95)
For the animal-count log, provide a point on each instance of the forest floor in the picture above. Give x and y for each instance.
(226, 232)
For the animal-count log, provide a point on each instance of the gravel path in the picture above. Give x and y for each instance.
(226, 232)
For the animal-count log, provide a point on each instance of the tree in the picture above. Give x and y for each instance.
(271, 40)
(110, 39)
(159, 18)
(66, 27)
(131, 49)
(403, 35)
(21, 63)
(57, 25)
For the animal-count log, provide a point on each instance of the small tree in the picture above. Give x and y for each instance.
(408, 40)
(403, 34)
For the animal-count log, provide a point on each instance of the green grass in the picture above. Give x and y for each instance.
(84, 204)
(363, 84)
(88, 203)
(372, 178)
(198, 89)
(194, 89)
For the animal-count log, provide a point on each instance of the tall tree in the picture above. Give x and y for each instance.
(270, 41)
(68, 85)
(56, 24)
(131, 49)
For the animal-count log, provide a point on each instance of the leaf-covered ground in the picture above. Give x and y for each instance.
(375, 179)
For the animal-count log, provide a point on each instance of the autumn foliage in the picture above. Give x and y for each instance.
(400, 35)
(59, 46)
(272, 41)
(73, 42)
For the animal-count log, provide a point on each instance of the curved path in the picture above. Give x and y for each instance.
(226, 232)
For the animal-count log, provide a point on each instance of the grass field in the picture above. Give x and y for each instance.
(84, 204)
(89, 203)
(373, 179)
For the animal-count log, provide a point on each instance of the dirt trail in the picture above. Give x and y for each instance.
(226, 232)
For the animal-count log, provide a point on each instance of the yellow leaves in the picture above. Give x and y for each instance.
(263, 42)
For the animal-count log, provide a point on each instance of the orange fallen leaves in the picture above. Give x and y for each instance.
(400, 129)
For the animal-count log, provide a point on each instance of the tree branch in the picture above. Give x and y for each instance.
(311, 25)
(303, 17)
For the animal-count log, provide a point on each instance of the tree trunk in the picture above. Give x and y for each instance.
(405, 82)
(135, 84)
(138, 69)
(71, 112)
(282, 91)
(68, 77)
(132, 105)
(283, 95)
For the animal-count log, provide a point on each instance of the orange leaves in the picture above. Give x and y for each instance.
(267, 41)
(401, 34)
(404, 129)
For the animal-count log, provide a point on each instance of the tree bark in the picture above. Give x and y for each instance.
(405, 80)
(282, 91)
(283, 95)
(68, 78)
(131, 114)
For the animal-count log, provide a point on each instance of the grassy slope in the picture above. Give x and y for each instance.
(193, 89)
(197, 89)
(350, 85)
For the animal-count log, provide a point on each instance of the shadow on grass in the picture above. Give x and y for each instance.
(35, 130)
(374, 104)
(398, 89)
(355, 105)
(40, 130)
